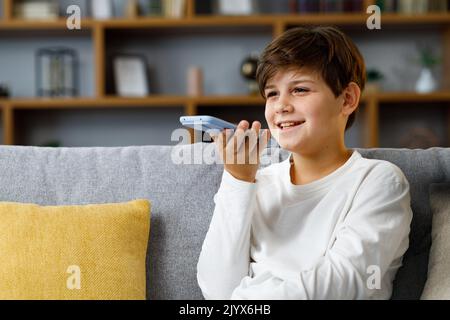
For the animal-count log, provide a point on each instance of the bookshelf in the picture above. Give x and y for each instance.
(100, 31)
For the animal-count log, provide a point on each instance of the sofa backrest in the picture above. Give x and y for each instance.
(182, 200)
(422, 168)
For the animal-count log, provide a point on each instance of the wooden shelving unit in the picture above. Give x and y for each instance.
(277, 23)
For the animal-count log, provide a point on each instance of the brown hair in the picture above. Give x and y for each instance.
(326, 50)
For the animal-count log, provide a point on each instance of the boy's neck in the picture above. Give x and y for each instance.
(308, 168)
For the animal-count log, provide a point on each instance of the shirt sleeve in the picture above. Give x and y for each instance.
(373, 236)
(225, 256)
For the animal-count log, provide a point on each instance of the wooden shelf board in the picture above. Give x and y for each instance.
(60, 24)
(179, 101)
(217, 20)
(386, 18)
(400, 97)
(144, 22)
(157, 101)
(108, 102)
(228, 100)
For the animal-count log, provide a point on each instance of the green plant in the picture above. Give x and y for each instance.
(51, 144)
(427, 58)
(374, 75)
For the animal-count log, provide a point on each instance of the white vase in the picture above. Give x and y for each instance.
(426, 82)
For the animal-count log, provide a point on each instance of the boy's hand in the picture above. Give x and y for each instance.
(240, 150)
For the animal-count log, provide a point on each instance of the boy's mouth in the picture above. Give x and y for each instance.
(283, 125)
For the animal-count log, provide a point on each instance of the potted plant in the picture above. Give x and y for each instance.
(427, 60)
(374, 77)
(4, 91)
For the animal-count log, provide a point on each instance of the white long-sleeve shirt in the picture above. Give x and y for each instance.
(340, 237)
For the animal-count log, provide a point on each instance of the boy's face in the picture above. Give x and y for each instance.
(302, 112)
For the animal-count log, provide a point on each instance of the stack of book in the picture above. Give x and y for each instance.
(174, 8)
(413, 6)
(340, 6)
(41, 9)
(311, 6)
(153, 8)
(164, 8)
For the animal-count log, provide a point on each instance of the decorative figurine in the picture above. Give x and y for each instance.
(248, 71)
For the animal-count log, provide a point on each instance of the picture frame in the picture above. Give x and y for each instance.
(235, 7)
(130, 75)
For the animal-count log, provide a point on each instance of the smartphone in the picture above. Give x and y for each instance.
(205, 123)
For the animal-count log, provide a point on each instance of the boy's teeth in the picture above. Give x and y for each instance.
(287, 124)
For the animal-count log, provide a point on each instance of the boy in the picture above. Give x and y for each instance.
(324, 224)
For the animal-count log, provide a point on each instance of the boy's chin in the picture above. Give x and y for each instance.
(289, 146)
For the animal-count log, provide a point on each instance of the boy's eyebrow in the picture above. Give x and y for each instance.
(290, 83)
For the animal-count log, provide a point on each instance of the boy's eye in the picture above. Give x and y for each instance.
(300, 90)
(271, 94)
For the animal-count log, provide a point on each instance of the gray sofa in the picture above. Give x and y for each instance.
(182, 200)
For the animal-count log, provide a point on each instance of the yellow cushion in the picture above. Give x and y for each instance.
(92, 251)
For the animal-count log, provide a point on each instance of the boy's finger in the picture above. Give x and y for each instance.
(253, 135)
(263, 140)
(214, 133)
(239, 138)
(244, 125)
(256, 125)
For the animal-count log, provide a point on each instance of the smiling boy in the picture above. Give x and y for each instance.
(324, 224)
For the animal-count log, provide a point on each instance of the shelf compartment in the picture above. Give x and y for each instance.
(92, 126)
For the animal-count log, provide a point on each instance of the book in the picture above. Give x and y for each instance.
(412, 6)
(438, 5)
(37, 10)
(153, 8)
(204, 7)
(174, 8)
(387, 5)
(331, 6)
(308, 6)
(274, 7)
(405, 7)
(293, 6)
(132, 9)
(353, 6)
(236, 7)
(421, 6)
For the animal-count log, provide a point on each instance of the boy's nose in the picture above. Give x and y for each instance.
(283, 108)
(284, 104)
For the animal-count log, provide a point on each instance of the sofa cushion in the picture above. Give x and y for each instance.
(90, 252)
(437, 286)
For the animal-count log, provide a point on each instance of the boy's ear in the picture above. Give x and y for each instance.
(351, 96)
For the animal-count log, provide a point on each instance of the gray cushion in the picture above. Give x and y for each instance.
(438, 281)
(182, 200)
